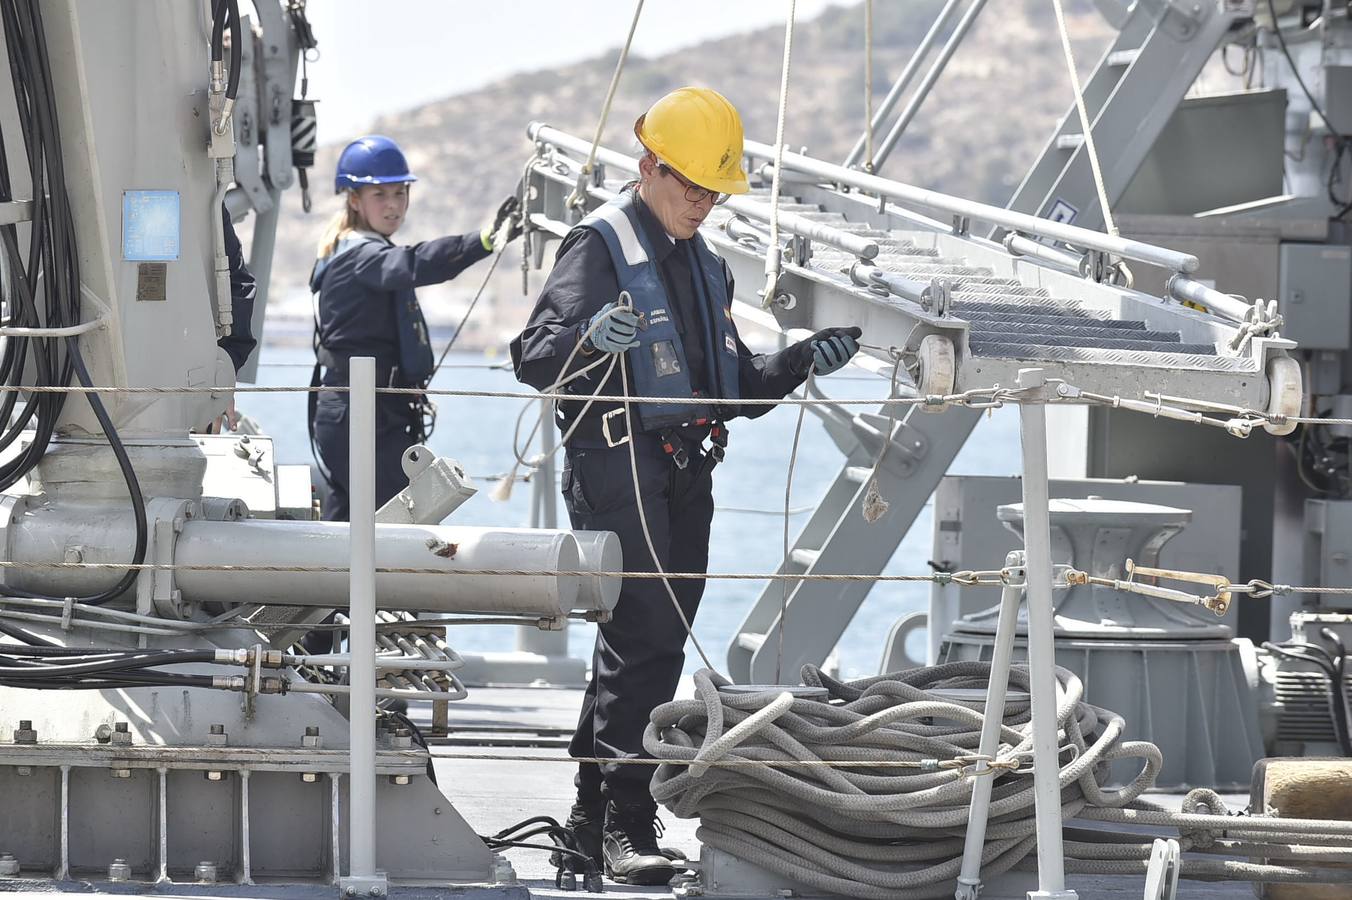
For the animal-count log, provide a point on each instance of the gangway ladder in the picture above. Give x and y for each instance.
(837, 539)
(1160, 49)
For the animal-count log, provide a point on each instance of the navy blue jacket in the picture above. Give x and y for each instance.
(583, 280)
(362, 289)
(240, 342)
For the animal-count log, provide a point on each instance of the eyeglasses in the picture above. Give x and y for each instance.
(693, 192)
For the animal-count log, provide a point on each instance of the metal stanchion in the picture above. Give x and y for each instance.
(1037, 543)
(362, 879)
(969, 882)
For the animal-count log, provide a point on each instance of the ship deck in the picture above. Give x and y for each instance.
(505, 759)
(523, 724)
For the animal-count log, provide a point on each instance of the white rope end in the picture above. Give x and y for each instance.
(875, 506)
(503, 492)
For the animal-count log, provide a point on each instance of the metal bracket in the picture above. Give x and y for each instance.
(1095, 266)
(280, 58)
(938, 297)
(437, 486)
(1162, 872)
(1178, 18)
(352, 886)
(248, 129)
(156, 591)
(962, 226)
(12, 506)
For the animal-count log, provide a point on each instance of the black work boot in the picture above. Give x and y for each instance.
(630, 846)
(586, 821)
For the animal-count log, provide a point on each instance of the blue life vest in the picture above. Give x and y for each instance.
(414, 360)
(657, 366)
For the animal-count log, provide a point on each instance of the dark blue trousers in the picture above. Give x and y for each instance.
(640, 652)
(395, 424)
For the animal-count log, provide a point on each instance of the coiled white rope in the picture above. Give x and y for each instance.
(890, 834)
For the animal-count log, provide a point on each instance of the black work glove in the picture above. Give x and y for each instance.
(495, 236)
(826, 351)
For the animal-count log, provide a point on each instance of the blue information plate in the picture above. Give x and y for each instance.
(150, 226)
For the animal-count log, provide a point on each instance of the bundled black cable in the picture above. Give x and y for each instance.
(221, 12)
(75, 668)
(52, 261)
(563, 847)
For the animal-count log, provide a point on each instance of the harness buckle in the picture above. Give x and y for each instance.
(605, 428)
(672, 447)
(718, 441)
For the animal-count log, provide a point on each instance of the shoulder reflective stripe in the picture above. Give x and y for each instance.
(618, 220)
(355, 239)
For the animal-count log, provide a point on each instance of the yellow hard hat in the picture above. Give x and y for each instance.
(698, 133)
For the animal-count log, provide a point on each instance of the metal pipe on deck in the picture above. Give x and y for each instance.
(205, 553)
(441, 549)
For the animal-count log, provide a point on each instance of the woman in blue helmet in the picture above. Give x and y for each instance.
(367, 307)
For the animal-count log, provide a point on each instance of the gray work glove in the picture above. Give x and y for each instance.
(506, 225)
(617, 331)
(827, 350)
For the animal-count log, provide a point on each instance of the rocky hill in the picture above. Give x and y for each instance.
(979, 130)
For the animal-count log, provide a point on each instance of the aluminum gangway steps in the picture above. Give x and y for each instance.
(1008, 319)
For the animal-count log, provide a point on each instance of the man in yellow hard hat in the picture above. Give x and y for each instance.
(677, 339)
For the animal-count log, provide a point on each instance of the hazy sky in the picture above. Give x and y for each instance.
(379, 56)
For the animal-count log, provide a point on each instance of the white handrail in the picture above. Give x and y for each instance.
(970, 209)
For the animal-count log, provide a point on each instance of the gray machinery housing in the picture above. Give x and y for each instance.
(245, 777)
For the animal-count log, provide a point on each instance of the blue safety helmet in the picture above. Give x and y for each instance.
(374, 159)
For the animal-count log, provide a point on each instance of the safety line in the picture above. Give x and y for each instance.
(1085, 125)
(576, 197)
(773, 261)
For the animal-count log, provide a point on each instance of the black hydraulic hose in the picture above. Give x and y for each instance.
(129, 680)
(236, 50)
(526, 823)
(33, 641)
(36, 117)
(555, 848)
(218, 16)
(64, 653)
(562, 838)
(120, 666)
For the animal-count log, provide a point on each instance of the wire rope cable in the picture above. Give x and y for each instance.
(773, 261)
(1085, 125)
(579, 190)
